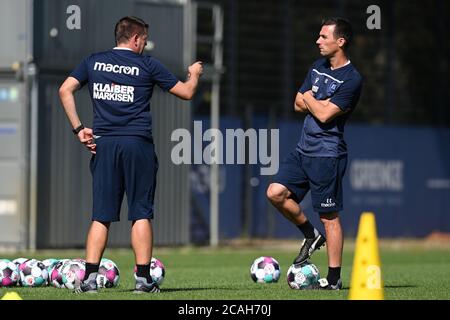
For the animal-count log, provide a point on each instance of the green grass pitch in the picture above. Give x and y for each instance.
(409, 272)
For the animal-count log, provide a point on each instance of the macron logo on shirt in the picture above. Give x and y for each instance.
(114, 68)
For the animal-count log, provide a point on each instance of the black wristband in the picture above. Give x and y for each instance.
(78, 129)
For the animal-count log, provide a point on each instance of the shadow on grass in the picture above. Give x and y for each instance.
(390, 287)
(164, 290)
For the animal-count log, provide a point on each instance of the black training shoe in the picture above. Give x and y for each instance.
(89, 285)
(324, 285)
(308, 247)
(142, 286)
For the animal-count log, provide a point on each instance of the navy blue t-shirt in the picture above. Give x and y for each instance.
(121, 84)
(343, 86)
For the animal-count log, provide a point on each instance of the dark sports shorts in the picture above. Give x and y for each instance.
(322, 175)
(123, 164)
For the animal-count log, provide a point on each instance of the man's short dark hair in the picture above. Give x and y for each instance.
(342, 29)
(129, 26)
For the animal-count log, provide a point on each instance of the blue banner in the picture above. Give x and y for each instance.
(402, 174)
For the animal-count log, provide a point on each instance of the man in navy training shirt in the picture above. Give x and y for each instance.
(328, 96)
(121, 83)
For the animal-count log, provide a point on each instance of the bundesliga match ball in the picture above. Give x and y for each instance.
(302, 277)
(18, 262)
(80, 260)
(108, 274)
(72, 274)
(265, 270)
(49, 264)
(33, 273)
(55, 275)
(157, 271)
(9, 276)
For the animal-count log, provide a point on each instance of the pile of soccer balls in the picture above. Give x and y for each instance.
(64, 273)
(267, 270)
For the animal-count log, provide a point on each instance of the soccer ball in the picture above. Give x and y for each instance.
(49, 264)
(18, 262)
(302, 277)
(9, 276)
(265, 270)
(55, 275)
(108, 274)
(157, 271)
(33, 273)
(72, 274)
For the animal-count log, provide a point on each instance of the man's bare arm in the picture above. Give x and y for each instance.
(324, 111)
(66, 94)
(186, 90)
(299, 105)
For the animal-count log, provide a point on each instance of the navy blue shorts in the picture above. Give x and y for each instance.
(322, 175)
(123, 164)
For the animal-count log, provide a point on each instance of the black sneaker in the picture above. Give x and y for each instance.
(142, 286)
(89, 285)
(308, 247)
(324, 285)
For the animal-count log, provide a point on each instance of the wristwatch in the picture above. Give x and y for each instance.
(78, 129)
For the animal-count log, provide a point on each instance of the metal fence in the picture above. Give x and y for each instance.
(45, 190)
